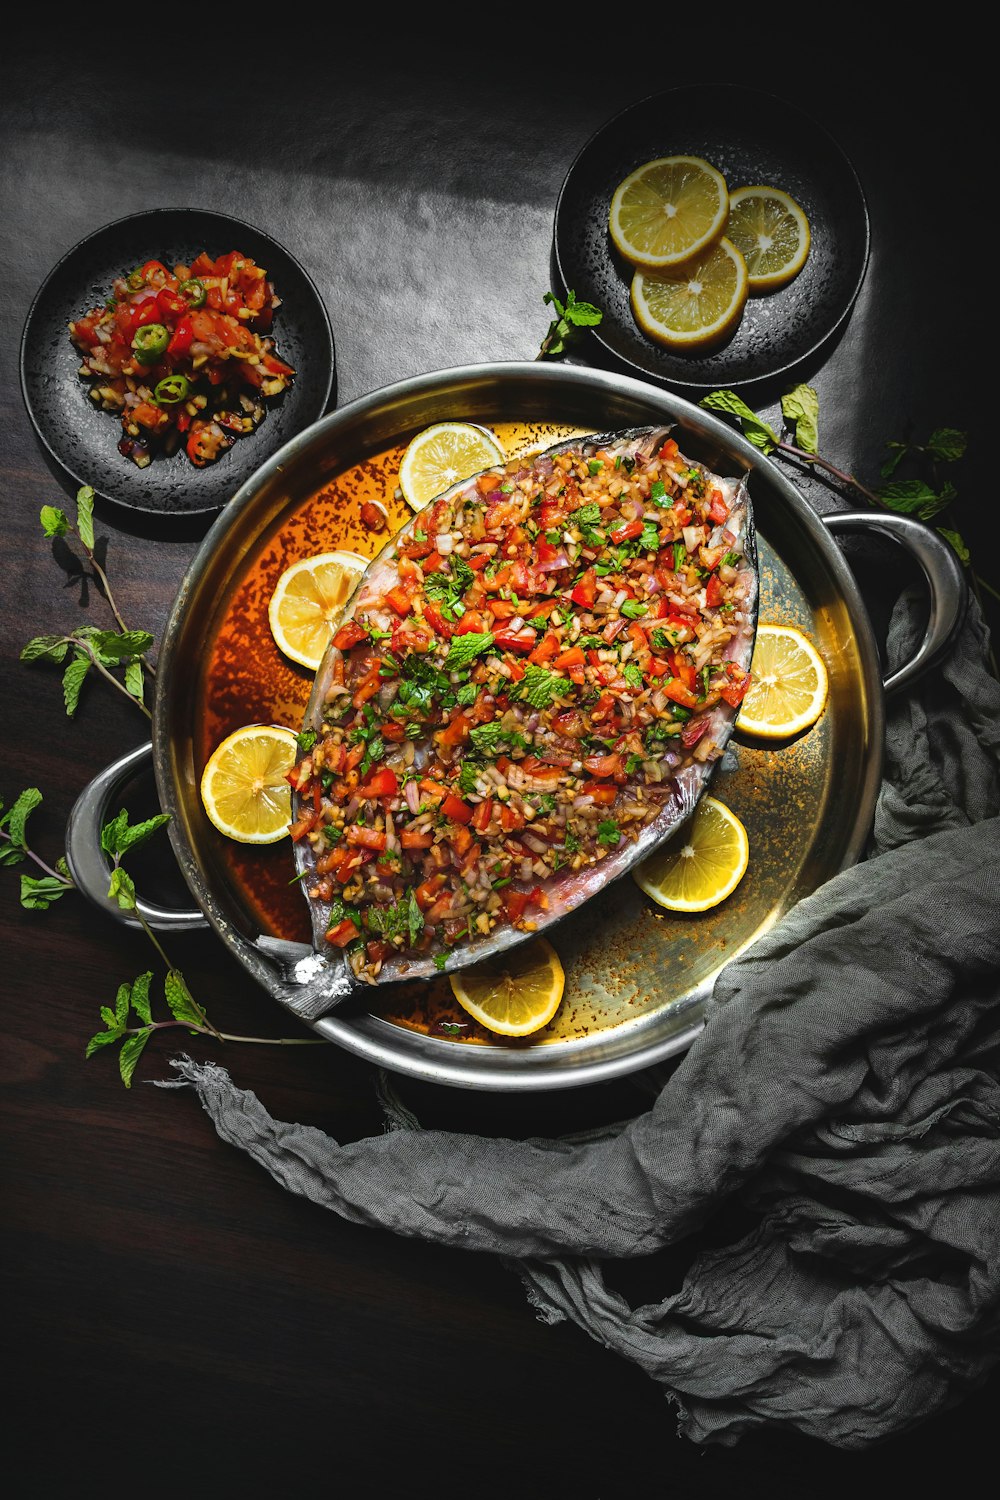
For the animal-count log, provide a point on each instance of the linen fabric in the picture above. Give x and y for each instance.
(844, 1094)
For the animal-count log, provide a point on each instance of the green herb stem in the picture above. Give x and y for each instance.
(76, 641)
(823, 463)
(225, 1036)
(30, 854)
(109, 596)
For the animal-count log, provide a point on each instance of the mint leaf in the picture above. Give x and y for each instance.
(117, 837)
(54, 521)
(134, 680)
(947, 444)
(140, 996)
(539, 687)
(85, 516)
(130, 1053)
(954, 538)
(755, 431)
(465, 648)
(122, 1000)
(16, 820)
(122, 889)
(914, 497)
(45, 647)
(73, 676)
(415, 917)
(38, 894)
(114, 646)
(800, 407)
(487, 737)
(183, 1006)
(102, 1039)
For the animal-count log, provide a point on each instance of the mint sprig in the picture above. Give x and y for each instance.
(925, 494)
(571, 315)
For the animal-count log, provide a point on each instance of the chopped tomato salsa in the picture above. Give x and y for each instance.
(524, 675)
(184, 356)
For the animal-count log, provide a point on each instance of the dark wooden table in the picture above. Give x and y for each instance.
(173, 1319)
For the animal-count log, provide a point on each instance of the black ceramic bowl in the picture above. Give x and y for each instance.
(82, 441)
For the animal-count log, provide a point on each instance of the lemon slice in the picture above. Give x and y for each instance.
(668, 210)
(701, 865)
(695, 306)
(772, 233)
(244, 788)
(308, 599)
(515, 993)
(443, 454)
(788, 684)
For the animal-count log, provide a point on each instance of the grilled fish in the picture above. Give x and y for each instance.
(525, 696)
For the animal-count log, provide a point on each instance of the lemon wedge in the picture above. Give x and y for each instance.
(517, 992)
(308, 599)
(668, 210)
(701, 865)
(244, 786)
(788, 684)
(443, 454)
(695, 306)
(771, 232)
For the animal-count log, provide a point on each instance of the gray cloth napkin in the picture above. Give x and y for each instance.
(844, 1093)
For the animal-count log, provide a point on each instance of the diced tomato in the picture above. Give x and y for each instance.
(457, 730)
(471, 623)
(454, 808)
(345, 932)
(482, 814)
(517, 902)
(427, 890)
(546, 648)
(603, 792)
(739, 682)
(677, 692)
(574, 657)
(380, 783)
(516, 640)
(416, 839)
(717, 509)
(603, 765)
(391, 730)
(302, 825)
(349, 635)
(437, 621)
(585, 590)
(669, 449)
(365, 838)
(510, 818)
(715, 591)
(625, 533)
(399, 600)
(369, 684)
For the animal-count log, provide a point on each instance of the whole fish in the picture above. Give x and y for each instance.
(525, 696)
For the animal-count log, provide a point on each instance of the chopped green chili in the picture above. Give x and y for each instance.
(171, 389)
(193, 290)
(150, 343)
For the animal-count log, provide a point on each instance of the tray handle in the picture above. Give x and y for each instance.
(943, 575)
(87, 861)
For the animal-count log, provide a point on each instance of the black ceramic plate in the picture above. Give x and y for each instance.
(83, 441)
(752, 138)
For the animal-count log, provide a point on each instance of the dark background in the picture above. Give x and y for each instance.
(172, 1317)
